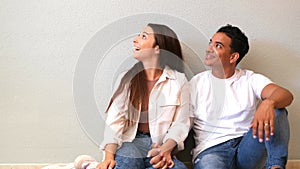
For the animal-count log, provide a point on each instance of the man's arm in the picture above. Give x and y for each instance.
(273, 97)
(280, 96)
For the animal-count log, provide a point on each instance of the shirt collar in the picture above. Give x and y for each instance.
(168, 73)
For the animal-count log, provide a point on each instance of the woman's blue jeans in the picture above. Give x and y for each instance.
(248, 153)
(133, 155)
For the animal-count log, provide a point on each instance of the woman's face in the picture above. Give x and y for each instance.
(143, 45)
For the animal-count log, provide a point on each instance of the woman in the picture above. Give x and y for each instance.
(147, 117)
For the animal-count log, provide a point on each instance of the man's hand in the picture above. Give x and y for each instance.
(273, 97)
(263, 121)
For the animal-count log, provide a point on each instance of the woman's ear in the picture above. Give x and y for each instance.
(156, 49)
(234, 57)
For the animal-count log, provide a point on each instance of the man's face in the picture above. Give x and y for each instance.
(218, 52)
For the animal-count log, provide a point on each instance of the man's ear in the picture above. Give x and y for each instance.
(234, 57)
(156, 49)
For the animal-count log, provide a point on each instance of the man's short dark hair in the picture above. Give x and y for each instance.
(239, 41)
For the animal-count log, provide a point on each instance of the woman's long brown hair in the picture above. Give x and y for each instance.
(135, 78)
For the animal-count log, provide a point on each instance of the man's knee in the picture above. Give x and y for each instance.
(281, 111)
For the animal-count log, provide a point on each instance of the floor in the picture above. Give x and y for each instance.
(292, 164)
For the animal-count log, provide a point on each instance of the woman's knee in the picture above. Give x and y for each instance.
(127, 162)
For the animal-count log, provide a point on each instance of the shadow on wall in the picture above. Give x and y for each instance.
(193, 61)
(274, 61)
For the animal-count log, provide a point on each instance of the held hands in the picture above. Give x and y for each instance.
(263, 121)
(160, 158)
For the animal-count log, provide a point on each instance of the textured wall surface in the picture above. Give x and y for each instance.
(59, 60)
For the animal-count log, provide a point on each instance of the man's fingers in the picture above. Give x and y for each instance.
(267, 130)
(254, 129)
(272, 128)
(261, 131)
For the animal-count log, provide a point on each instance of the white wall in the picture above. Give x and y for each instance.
(59, 59)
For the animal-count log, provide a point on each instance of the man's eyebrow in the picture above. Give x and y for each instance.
(217, 42)
(220, 43)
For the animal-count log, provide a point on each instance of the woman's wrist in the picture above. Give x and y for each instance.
(110, 150)
(109, 155)
(168, 146)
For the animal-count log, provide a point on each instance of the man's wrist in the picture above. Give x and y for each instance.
(270, 102)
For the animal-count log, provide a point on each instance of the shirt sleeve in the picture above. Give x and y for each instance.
(192, 97)
(116, 119)
(258, 82)
(179, 128)
(114, 126)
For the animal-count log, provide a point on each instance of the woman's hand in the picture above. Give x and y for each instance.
(162, 161)
(161, 156)
(109, 160)
(106, 164)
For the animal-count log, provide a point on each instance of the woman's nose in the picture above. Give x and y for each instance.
(135, 40)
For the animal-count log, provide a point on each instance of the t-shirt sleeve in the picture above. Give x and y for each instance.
(258, 82)
(192, 92)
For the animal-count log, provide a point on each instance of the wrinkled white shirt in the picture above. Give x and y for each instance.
(168, 113)
(223, 108)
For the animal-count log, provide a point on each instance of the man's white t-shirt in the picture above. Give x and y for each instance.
(223, 108)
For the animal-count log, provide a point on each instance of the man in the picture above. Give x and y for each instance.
(231, 129)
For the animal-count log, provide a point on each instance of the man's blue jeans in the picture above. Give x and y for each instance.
(248, 153)
(133, 155)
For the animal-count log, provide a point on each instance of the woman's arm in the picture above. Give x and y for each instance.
(177, 132)
(180, 125)
(162, 155)
(109, 159)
